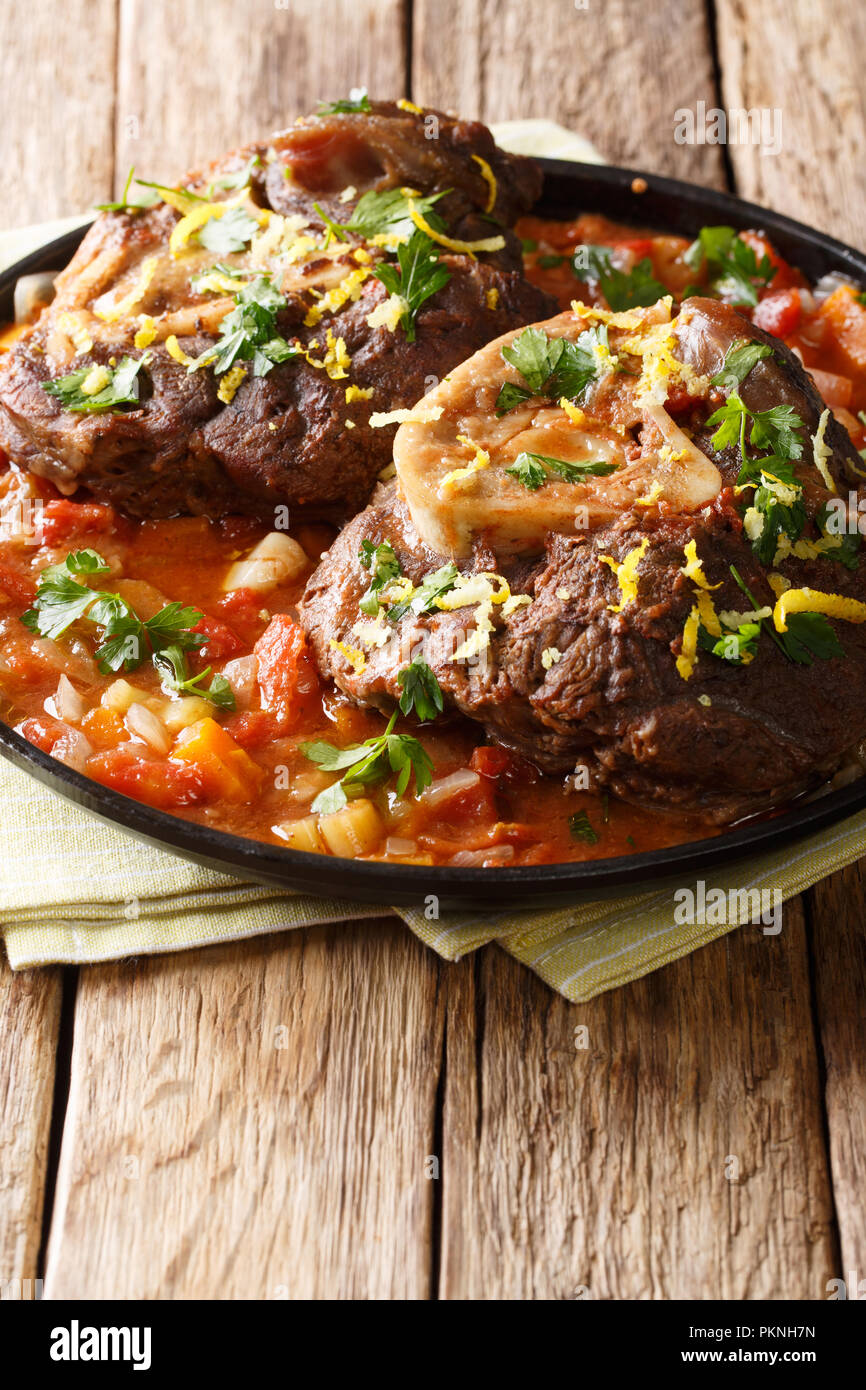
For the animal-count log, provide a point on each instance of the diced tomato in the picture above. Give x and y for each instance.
(63, 518)
(779, 313)
(503, 765)
(221, 642)
(244, 609)
(639, 246)
(17, 586)
(835, 390)
(160, 783)
(253, 728)
(42, 731)
(847, 319)
(287, 676)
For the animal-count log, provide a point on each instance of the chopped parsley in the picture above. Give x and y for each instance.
(383, 565)
(633, 290)
(733, 270)
(582, 829)
(371, 761)
(738, 645)
(420, 275)
(809, 635)
(125, 640)
(387, 214)
(120, 388)
(355, 102)
(170, 662)
(552, 367)
(125, 203)
(421, 691)
(847, 552)
(231, 232)
(740, 358)
(531, 470)
(249, 332)
(241, 178)
(423, 599)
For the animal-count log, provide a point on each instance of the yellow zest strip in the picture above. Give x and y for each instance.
(693, 569)
(686, 660)
(418, 415)
(73, 325)
(121, 308)
(174, 349)
(574, 412)
(358, 393)
(146, 331)
(229, 384)
(814, 601)
(217, 283)
(491, 298)
(626, 574)
(348, 288)
(191, 223)
(465, 248)
(707, 613)
(336, 359)
(652, 496)
(355, 658)
(490, 180)
(406, 105)
(459, 475)
(821, 452)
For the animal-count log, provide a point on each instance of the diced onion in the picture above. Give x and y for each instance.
(477, 858)
(73, 749)
(460, 781)
(396, 845)
(144, 724)
(66, 703)
(120, 695)
(242, 674)
(32, 293)
(276, 559)
(182, 713)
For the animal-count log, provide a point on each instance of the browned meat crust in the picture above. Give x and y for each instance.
(283, 438)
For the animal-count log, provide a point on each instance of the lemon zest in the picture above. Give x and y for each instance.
(821, 452)
(230, 382)
(851, 610)
(355, 658)
(626, 574)
(693, 569)
(466, 248)
(490, 179)
(121, 307)
(688, 655)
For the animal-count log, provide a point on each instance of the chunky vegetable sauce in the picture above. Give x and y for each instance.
(164, 659)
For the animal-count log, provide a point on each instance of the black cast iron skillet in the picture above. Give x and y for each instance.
(569, 188)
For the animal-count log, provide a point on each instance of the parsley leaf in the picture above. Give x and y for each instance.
(847, 553)
(231, 232)
(424, 598)
(740, 358)
(779, 518)
(383, 565)
(241, 178)
(370, 761)
(509, 396)
(810, 635)
(733, 269)
(582, 829)
(531, 470)
(378, 214)
(122, 387)
(420, 275)
(421, 691)
(127, 204)
(249, 331)
(737, 645)
(634, 290)
(551, 367)
(356, 101)
(173, 670)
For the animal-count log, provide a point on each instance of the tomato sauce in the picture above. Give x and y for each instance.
(242, 770)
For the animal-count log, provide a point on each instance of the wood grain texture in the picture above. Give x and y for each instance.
(603, 70)
(57, 67)
(601, 1171)
(838, 922)
(198, 78)
(806, 60)
(818, 178)
(29, 1022)
(253, 1122)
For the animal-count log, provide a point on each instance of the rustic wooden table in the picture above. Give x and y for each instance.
(258, 1121)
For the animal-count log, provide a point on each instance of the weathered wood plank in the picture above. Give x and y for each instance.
(57, 78)
(199, 78)
(818, 178)
(29, 1023)
(252, 1122)
(677, 1155)
(604, 70)
(804, 59)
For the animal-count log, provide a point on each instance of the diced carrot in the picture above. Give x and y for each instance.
(287, 677)
(847, 318)
(254, 728)
(779, 313)
(104, 727)
(836, 390)
(226, 772)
